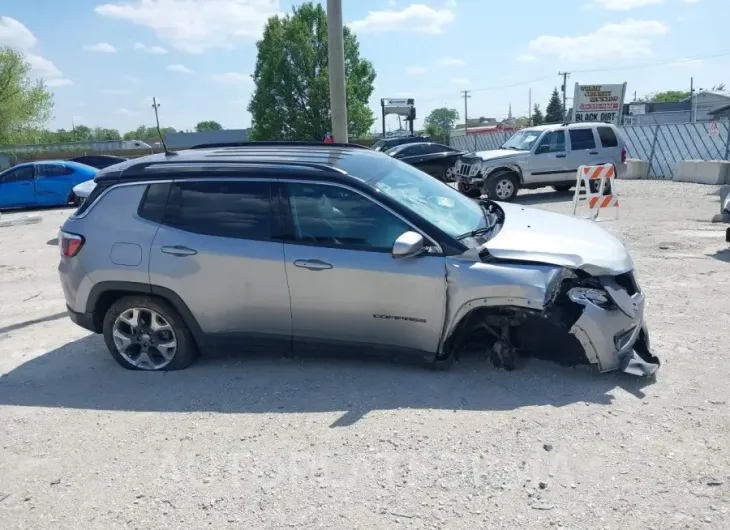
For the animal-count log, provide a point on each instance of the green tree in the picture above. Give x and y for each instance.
(209, 125)
(670, 96)
(24, 104)
(291, 99)
(554, 112)
(443, 119)
(522, 121)
(537, 117)
(102, 134)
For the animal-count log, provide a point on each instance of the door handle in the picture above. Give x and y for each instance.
(592, 152)
(312, 264)
(559, 156)
(179, 251)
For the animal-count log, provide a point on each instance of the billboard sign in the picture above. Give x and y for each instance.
(401, 107)
(599, 103)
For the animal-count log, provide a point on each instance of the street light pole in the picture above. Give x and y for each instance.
(336, 57)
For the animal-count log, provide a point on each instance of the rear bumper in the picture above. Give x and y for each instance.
(85, 320)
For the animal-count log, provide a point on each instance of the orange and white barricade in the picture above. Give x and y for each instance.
(602, 179)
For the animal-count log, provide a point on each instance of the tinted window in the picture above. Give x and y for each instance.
(19, 174)
(430, 149)
(52, 170)
(411, 150)
(555, 141)
(582, 139)
(608, 137)
(233, 209)
(336, 217)
(153, 202)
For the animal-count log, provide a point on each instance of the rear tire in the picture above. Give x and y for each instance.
(502, 186)
(595, 184)
(186, 351)
(562, 188)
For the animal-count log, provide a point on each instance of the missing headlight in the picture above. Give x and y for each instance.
(597, 297)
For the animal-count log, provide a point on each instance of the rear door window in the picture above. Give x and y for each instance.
(232, 209)
(608, 137)
(52, 170)
(582, 139)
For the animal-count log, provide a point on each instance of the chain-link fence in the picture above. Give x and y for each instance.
(663, 146)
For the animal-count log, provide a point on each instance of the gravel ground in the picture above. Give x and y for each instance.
(256, 442)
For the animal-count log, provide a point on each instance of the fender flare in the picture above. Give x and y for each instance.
(131, 288)
(512, 168)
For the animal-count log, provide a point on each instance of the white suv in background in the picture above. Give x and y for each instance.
(547, 155)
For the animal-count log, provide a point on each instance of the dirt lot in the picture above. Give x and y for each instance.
(242, 442)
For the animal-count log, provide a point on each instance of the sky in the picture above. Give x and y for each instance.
(104, 60)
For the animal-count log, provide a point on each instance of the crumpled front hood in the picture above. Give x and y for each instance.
(534, 235)
(499, 153)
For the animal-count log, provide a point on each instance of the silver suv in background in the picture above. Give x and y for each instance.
(338, 248)
(537, 157)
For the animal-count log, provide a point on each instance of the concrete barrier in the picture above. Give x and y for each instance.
(703, 172)
(636, 169)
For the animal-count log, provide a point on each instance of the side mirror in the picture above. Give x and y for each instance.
(542, 149)
(408, 245)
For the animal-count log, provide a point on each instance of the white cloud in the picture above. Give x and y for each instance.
(416, 70)
(101, 47)
(59, 82)
(117, 91)
(448, 61)
(154, 50)
(460, 81)
(179, 68)
(196, 25)
(418, 18)
(625, 40)
(232, 78)
(15, 34)
(627, 5)
(526, 58)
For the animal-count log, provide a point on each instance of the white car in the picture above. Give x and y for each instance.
(82, 191)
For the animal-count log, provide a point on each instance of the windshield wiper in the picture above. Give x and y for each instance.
(475, 233)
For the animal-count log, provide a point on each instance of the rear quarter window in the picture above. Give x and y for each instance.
(154, 200)
(608, 137)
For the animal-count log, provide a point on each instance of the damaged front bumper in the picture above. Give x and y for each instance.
(614, 335)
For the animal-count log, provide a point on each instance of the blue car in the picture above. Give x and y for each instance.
(46, 183)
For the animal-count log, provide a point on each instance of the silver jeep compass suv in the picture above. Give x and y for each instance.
(321, 247)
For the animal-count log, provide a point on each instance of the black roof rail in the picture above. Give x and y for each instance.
(269, 143)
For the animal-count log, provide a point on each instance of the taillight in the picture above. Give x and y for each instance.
(624, 154)
(69, 244)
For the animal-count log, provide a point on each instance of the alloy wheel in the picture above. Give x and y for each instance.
(144, 338)
(504, 189)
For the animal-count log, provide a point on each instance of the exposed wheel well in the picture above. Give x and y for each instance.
(532, 333)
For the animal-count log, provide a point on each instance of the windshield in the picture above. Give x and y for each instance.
(378, 146)
(438, 203)
(522, 140)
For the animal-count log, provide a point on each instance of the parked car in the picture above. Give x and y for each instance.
(548, 155)
(47, 183)
(724, 215)
(435, 159)
(98, 161)
(337, 248)
(390, 143)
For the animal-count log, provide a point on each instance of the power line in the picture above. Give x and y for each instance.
(586, 71)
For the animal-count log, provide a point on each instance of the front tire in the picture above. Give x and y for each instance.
(146, 333)
(562, 188)
(502, 186)
(449, 175)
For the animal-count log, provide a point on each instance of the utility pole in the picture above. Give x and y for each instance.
(691, 99)
(156, 106)
(466, 116)
(336, 57)
(565, 75)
